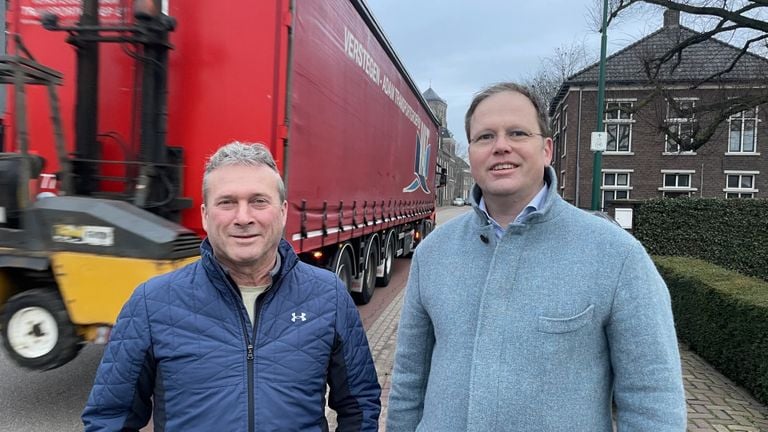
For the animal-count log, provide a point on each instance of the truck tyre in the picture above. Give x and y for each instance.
(342, 266)
(37, 332)
(428, 227)
(368, 276)
(389, 259)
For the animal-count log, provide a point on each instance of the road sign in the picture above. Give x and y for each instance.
(599, 141)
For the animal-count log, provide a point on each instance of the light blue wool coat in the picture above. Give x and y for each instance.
(536, 331)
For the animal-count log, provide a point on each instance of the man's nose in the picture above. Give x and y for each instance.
(502, 144)
(243, 214)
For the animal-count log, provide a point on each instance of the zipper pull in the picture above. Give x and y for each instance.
(250, 352)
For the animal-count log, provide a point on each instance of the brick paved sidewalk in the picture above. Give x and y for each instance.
(715, 404)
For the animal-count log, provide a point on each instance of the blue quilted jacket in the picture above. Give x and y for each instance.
(184, 343)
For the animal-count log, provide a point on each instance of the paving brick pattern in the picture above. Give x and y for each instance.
(715, 404)
(381, 337)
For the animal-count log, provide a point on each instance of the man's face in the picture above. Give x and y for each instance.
(243, 215)
(507, 169)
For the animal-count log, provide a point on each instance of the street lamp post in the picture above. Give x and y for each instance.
(598, 160)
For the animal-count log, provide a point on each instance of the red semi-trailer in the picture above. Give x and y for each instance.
(115, 107)
(317, 82)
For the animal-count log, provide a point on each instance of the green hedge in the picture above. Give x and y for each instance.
(723, 317)
(731, 233)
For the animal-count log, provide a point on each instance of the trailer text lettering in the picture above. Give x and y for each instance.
(357, 52)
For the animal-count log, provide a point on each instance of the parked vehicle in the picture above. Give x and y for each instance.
(150, 97)
(458, 201)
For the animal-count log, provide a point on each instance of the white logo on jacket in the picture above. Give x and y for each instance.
(302, 316)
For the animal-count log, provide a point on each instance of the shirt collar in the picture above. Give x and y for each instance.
(532, 206)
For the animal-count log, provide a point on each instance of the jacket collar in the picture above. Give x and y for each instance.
(219, 276)
(543, 213)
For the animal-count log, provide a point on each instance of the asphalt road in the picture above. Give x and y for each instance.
(46, 401)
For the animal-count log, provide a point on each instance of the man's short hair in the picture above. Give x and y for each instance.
(541, 114)
(243, 154)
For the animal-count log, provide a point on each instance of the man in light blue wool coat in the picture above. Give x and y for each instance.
(528, 314)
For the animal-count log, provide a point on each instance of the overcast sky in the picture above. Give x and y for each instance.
(460, 46)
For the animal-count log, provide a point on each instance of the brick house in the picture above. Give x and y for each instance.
(640, 161)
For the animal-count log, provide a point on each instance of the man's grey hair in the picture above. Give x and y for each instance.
(243, 154)
(541, 114)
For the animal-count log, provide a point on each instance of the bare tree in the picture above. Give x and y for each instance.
(742, 24)
(556, 68)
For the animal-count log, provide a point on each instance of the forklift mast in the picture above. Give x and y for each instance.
(153, 176)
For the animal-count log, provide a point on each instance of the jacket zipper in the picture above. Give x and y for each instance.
(251, 425)
(248, 357)
(249, 368)
(251, 397)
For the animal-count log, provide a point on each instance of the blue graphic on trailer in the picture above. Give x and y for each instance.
(420, 168)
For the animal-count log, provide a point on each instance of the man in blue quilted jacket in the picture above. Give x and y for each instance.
(245, 339)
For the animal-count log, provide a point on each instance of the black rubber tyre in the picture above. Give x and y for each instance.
(37, 332)
(388, 260)
(368, 277)
(342, 266)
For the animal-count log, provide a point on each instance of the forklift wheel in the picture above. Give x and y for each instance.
(37, 332)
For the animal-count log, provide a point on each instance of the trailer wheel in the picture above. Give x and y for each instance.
(37, 332)
(368, 276)
(342, 266)
(389, 259)
(428, 228)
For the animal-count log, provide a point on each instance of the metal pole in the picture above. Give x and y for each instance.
(597, 173)
(87, 102)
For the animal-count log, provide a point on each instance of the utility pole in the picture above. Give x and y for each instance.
(597, 168)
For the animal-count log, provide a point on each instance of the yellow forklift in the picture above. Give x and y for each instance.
(68, 263)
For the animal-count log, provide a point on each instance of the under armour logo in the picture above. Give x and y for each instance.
(302, 316)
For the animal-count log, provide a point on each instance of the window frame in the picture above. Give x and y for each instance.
(676, 189)
(619, 123)
(679, 122)
(740, 192)
(556, 132)
(615, 187)
(740, 116)
(562, 180)
(564, 131)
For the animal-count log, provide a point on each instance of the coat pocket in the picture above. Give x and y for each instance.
(566, 325)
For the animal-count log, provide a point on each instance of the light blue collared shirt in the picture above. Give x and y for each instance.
(532, 206)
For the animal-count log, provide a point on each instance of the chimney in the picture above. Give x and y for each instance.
(671, 18)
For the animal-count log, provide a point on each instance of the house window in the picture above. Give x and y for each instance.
(740, 184)
(564, 131)
(742, 137)
(680, 120)
(618, 124)
(616, 185)
(562, 179)
(556, 134)
(676, 184)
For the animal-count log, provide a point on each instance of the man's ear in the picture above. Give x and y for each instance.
(203, 218)
(548, 150)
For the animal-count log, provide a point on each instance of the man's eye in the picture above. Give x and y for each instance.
(225, 203)
(517, 133)
(485, 137)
